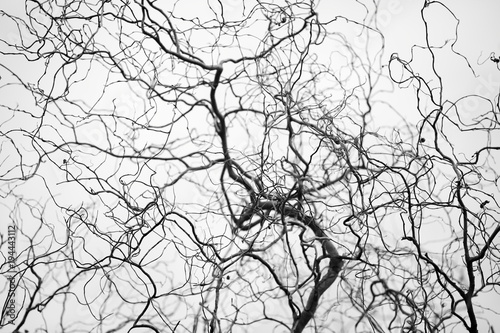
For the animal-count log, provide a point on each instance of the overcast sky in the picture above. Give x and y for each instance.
(401, 24)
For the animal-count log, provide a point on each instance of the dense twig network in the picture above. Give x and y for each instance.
(230, 166)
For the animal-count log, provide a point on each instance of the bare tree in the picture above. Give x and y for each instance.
(230, 166)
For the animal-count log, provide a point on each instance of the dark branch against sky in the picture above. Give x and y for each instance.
(230, 166)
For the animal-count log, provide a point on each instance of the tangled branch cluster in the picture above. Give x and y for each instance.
(230, 167)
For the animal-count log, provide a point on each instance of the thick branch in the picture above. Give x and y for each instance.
(321, 283)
